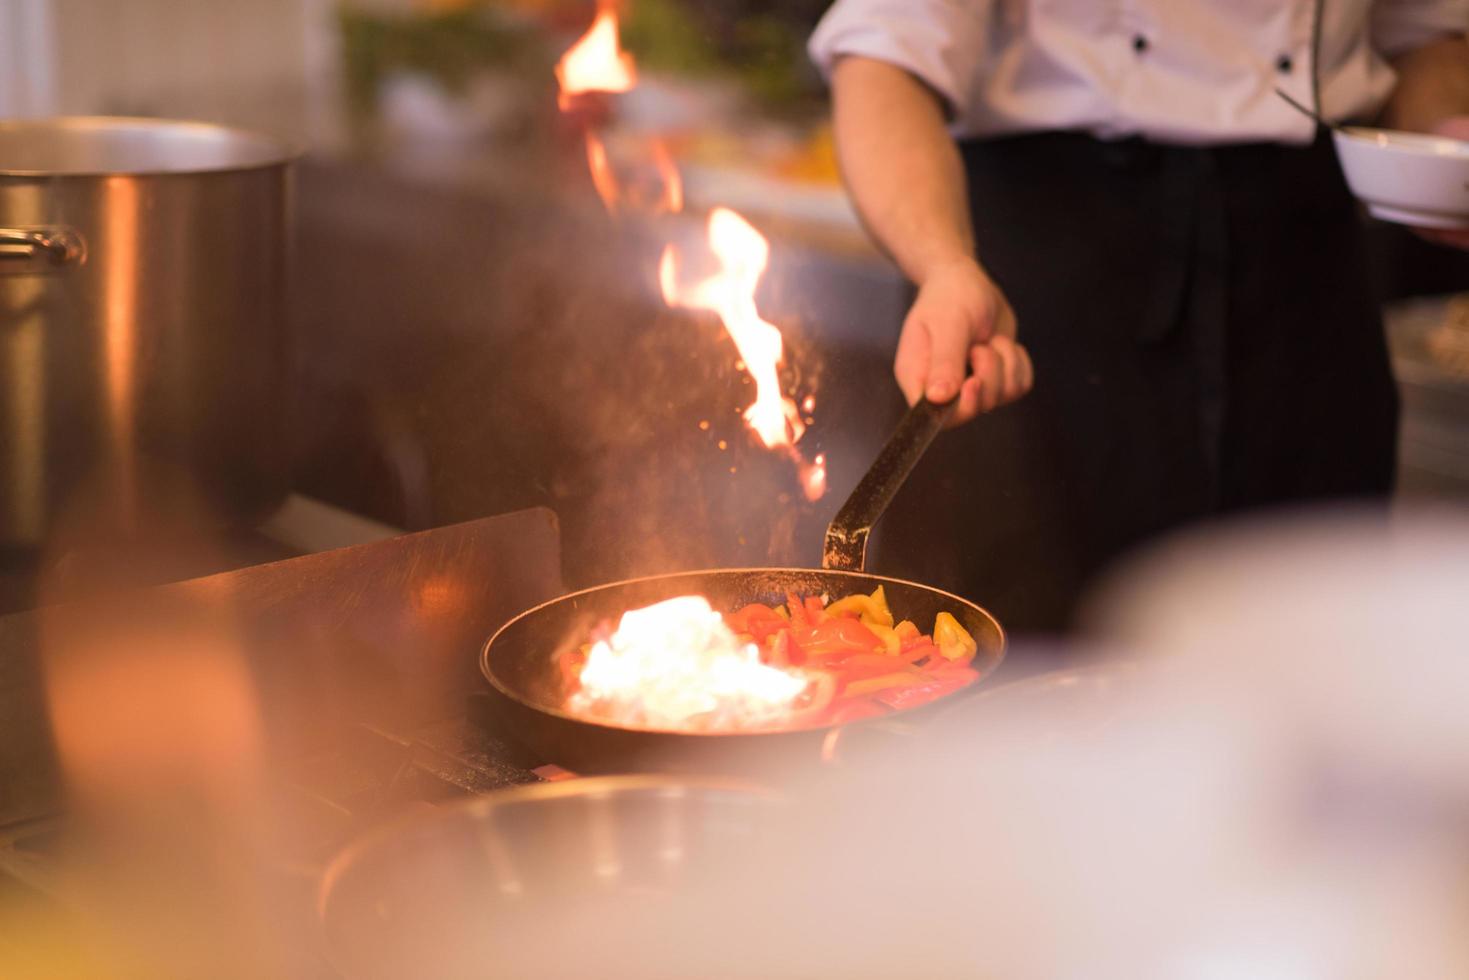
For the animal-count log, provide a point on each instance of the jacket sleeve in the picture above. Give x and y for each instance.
(940, 42)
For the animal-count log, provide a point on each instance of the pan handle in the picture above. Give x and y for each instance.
(846, 537)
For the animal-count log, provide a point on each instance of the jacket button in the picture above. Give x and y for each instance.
(1139, 43)
(1284, 64)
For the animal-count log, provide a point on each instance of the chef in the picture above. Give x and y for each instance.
(1176, 242)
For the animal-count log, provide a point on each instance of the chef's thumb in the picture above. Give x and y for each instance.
(948, 355)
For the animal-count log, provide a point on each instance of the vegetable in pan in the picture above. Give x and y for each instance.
(805, 663)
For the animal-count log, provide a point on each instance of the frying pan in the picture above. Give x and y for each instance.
(525, 688)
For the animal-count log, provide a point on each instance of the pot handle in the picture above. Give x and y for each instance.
(846, 537)
(35, 250)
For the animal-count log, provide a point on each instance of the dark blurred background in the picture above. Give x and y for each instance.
(474, 334)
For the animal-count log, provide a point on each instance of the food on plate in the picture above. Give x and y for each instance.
(681, 665)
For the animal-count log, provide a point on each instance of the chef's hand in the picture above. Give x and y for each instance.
(961, 320)
(1458, 128)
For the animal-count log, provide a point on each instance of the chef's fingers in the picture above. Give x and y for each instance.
(969, 401)
(1454, 126)
(910, 363)
(1446, 237)
(950, 337)
(990, 370)
(1019, 375)
(1002, 374)
(1005, 351)
(1027, 369)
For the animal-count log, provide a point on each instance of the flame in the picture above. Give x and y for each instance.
(742, 253)
(596, 62)
(659, 190)
(676, 664)
(602, 176)
(672, 182)
(813, 478)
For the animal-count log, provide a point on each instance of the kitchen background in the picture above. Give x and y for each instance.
(475, 334)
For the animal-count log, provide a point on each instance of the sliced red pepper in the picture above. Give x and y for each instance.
(882, 682)
(782, 651)
(957, 671)
(815, 610)
(879, 662)
(836, 637)
(797, 609)
(911, 697)
(757, 620)
(916, 653)
(921, 640)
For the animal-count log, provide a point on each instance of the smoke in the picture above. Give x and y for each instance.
(638, 410)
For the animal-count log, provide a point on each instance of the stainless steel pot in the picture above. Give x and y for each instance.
(143, 326)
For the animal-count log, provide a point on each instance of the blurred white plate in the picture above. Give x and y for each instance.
(1407, 178)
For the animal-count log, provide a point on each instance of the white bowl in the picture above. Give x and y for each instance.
(1408, 178)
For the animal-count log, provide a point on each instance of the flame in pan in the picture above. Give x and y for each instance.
(676, 664)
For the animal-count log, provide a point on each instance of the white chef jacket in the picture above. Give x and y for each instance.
(1177, 71)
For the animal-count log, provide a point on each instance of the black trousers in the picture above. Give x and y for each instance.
(1205, 341)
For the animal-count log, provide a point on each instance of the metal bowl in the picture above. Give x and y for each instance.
(479, 887)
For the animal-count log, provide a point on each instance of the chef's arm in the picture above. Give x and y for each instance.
(901, 165)
(1433, 86)
(906, 178)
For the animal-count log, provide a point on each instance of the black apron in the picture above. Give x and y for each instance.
(1205, 341)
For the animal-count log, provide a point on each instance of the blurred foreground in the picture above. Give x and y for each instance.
(1260, 772)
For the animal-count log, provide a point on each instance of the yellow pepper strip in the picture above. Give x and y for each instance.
(892, 643)
(869, 608)
(882, 682)
(783, 612)
(953, 640)
(881, 613)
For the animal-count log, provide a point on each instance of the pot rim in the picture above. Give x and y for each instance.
(210, 141)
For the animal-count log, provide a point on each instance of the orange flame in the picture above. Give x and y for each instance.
(813, 477)
(672, 201)
(596, 62)
(602, 176)
(676, 664)
(660, 192)
(743, 254)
